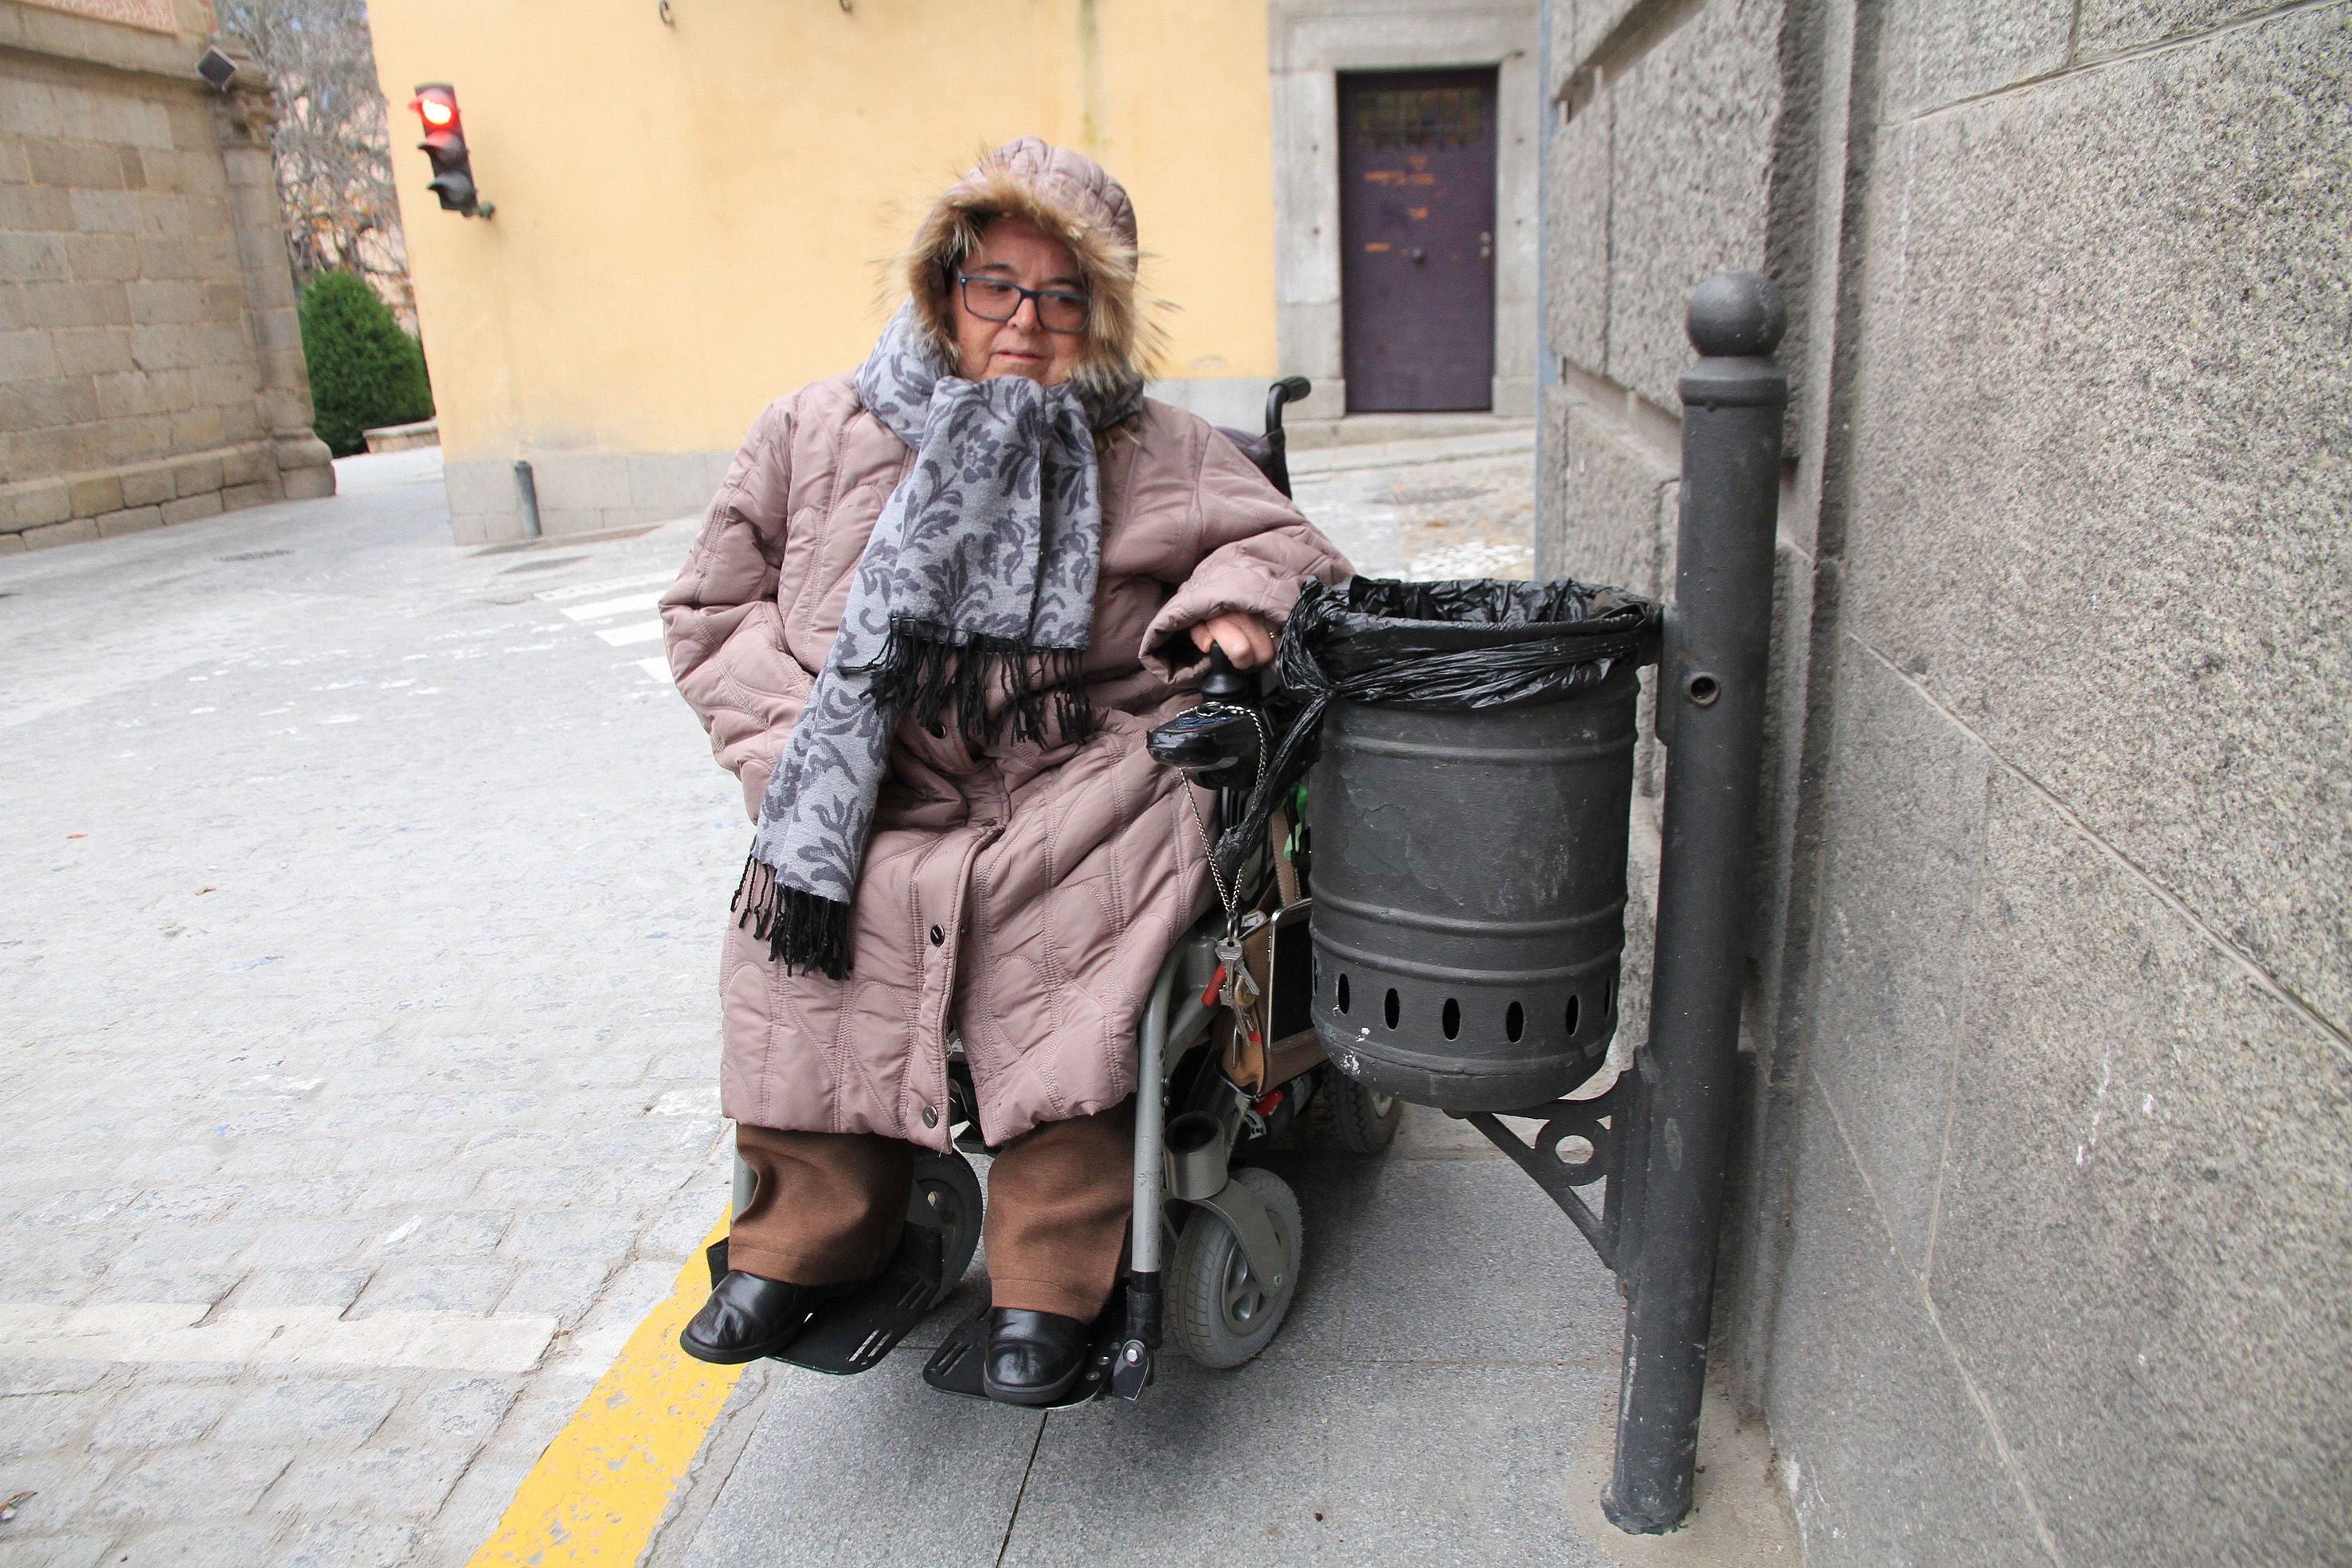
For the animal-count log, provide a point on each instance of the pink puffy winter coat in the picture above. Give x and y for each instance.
(1022, 898)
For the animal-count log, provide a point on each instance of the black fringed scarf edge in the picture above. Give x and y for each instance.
(931, 673)
(802, 930)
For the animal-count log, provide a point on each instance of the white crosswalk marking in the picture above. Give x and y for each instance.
(610, 600)
(622, 636)
(610, 585)
(604, 607)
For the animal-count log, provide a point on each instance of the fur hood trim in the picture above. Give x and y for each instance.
(1067, 194)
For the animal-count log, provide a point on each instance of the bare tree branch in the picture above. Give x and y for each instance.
(331, 142)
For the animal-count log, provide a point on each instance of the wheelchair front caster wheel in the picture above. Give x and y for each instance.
(1219, 1310)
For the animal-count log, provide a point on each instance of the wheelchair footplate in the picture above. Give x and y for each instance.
(855, 1332)
(954, 1367)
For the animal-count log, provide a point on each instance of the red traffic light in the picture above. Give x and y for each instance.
(435, 104)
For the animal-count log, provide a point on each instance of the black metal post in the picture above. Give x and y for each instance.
(1711, 717)
(527, 490)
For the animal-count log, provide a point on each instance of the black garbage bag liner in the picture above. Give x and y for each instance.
(1471, 644)
(1465, 645)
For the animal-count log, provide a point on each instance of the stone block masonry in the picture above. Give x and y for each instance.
(2037, 1240)
(151, 367)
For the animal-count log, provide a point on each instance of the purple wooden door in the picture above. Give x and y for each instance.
(1417, 239)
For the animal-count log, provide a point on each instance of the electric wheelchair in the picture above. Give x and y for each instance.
(1228, 1065)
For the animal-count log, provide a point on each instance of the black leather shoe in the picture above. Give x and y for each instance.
(748, 1317)
(1033, 1357)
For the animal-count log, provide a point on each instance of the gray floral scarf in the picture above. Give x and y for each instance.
(976, 591)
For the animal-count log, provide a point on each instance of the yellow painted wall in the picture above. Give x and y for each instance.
(693, 218)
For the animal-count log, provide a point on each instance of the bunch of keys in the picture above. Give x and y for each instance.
(1232, 983)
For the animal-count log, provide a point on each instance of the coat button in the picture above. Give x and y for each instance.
(931, 1118)
(938, 936)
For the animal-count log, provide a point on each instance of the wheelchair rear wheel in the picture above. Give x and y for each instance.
(1219, 1310)
(1355, 1120)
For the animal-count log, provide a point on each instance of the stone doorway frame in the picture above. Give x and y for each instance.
(1310, 43)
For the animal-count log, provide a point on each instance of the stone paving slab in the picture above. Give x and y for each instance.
(874, 1468)
(1315, 1462)
(1452, 1342)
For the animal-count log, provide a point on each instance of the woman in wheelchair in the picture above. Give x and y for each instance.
(936, 606)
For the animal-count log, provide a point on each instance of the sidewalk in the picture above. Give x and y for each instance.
(357, 1032)
(1453, 1348)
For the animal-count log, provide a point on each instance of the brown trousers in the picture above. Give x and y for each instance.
(828, 1208)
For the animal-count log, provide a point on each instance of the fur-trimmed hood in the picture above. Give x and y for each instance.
(1067, 194)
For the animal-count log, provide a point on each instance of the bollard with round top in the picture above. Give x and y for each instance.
(1736, 315)
(1710, 717)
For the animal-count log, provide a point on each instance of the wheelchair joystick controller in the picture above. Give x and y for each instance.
(1222, 683)
(1216, 745)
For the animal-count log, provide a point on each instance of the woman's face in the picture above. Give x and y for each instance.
(1013, 250)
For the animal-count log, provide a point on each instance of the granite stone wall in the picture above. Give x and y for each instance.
(2044, 1231)
(151, 365)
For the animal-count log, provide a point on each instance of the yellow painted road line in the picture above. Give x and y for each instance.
(603, 1484)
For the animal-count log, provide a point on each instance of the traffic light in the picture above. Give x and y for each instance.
(435, 104)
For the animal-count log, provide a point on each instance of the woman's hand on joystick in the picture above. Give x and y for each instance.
(1247, 641)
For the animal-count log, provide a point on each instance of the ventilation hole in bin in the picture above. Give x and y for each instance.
(1451, 1019)
(1609, 999)
(1514, 1022)
(1343, 993)
(1391, 1009)
(1572, 1010)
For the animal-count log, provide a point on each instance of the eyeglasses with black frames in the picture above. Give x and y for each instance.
(999, 300)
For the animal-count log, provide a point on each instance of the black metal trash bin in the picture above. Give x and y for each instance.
(1468, 815)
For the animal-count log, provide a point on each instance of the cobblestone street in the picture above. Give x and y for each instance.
(358, 1026)
(356, 957)
(1461, 507)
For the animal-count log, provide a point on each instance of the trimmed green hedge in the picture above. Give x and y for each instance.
(365, 371)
